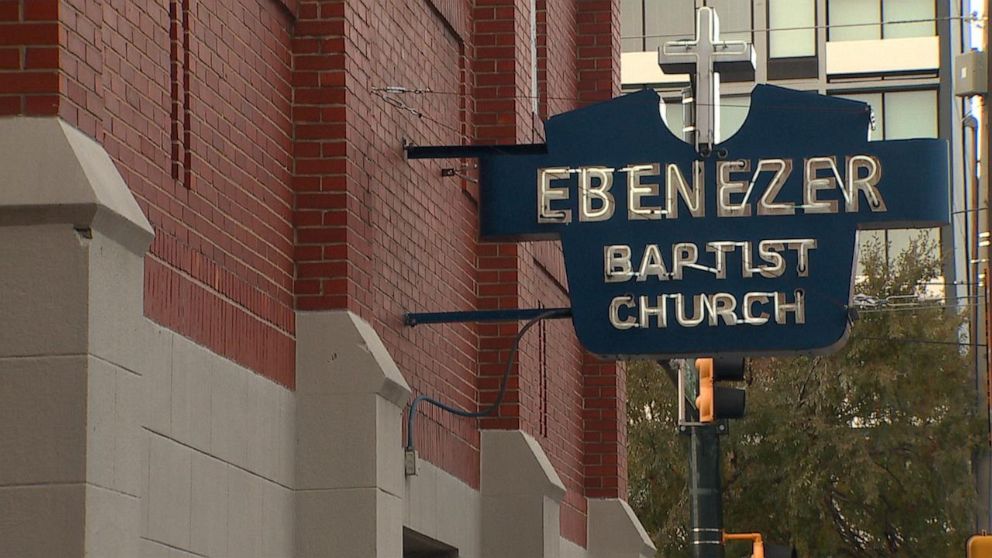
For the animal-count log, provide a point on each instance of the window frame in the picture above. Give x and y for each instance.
(880, 23)
(792, 67)
(937, 232)
(640, 36)
(933, 22)
(750, 25)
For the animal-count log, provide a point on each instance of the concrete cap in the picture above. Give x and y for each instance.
(53, 173)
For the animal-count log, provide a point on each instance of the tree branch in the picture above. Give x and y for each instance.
(809, 375)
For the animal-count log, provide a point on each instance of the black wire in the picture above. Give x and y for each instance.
(917, 341)
(410, 446)
(965, 18)
(389, 98)
(381, 92)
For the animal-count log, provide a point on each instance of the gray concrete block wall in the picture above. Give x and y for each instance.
(444, 508)
(220, 472)
(43, 387)
(185, 449)
(119, 437)
(349, 460)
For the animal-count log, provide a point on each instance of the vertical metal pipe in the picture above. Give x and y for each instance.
(984, 218)
(947, 126)
(977, 314)
(705, 506)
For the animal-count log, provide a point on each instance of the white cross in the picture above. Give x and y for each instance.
(706, 56)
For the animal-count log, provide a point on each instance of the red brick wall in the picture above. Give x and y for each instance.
(598, 39)
(549, 397)
(558, 57)
(198, 120)
(29, 57)
(192, 101)
(426, 236)
(377, 234)
(381, 236)
(81, 58)
(258, 138)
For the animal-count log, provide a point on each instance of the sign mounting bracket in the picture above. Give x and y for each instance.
(472, 151)
(509, 315)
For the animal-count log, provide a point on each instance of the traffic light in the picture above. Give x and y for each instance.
(760, 549)
(757, 545)
(718, 402)
(980, 546)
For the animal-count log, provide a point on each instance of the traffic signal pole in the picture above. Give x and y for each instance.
(705, 492)
(714, 402)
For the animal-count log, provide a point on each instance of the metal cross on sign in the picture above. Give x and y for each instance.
(705, 56)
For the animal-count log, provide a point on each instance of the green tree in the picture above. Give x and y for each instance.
(657, 463)
(865, 452)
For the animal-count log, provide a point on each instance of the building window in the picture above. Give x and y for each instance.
(733, 111)
(632, 25)
(792, 25)
(858, 20)
(648, 24)
(675, 116)
(900, 115)
(911, 12)
(668, 20)
(893, 243)
(854, 20)
(792, 39)
(736, 19)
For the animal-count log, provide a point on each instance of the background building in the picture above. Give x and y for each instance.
(896, 55)
(209, 236)
(893, 54)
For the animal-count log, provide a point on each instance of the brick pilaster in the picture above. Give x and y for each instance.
(598, 49)
(605, 420)
(502, 115)
(499, 287)
(502, 70)
(324, 206)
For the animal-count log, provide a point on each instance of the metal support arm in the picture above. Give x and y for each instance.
(472, 151)
(513, 315)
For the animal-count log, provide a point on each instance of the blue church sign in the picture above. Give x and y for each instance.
(748, 249)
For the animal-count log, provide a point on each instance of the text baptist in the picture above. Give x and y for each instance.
(621, 264)
(743, 189)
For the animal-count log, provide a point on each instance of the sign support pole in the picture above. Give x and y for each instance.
(984, 197)
(705, 492)
(704, 57)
